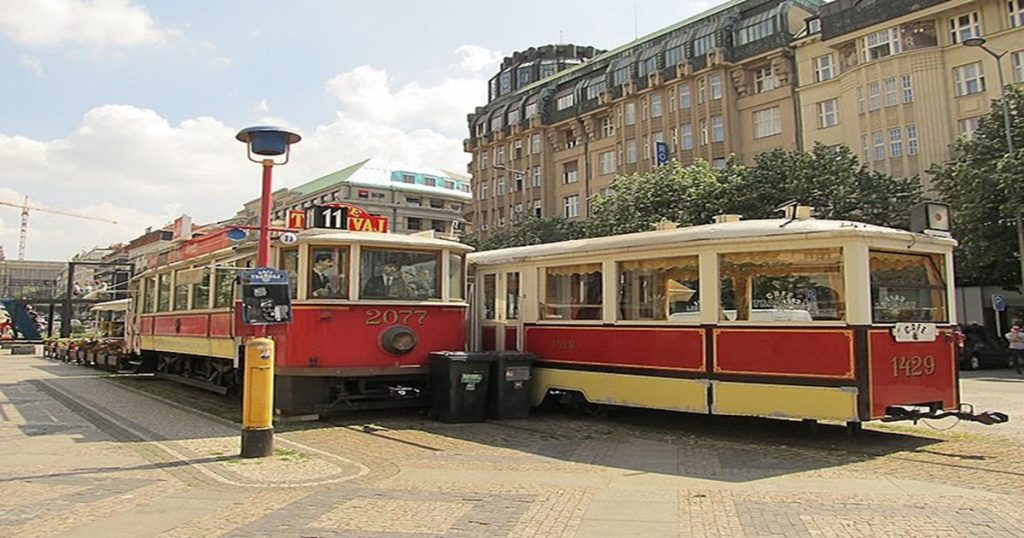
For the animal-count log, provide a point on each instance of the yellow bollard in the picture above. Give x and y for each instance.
(258, 399)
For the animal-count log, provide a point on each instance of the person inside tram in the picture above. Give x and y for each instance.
(323, 276)
(390, 284)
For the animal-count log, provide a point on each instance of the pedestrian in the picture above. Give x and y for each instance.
(1016, 339)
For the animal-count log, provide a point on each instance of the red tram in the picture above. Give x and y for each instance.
(797, 318)
(367, 309)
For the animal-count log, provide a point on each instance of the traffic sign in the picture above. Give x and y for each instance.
(998, 302)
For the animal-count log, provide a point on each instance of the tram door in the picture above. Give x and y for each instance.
(501, 320)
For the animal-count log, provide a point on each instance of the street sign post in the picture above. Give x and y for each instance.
(998, 305)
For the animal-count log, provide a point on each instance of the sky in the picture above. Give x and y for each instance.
(126, 110)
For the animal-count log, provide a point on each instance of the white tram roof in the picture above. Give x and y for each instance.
(724, 232)
(420, 240)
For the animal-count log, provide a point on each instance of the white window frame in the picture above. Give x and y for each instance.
(879, 139)
(912, 143)
(655, 105)
(571, 206)
(969, 126)
(630, 113)
(880, 44)
(685, 95)
(767, 122)
(1016, 13)
(565, 101)
(631, 156)
(861, 103)
(715, 86)
(717, 128)
(764, 79)
(1017, 59)
(969, 79)
(703, 132)
(896, 142)
(964, 26)
(908, 88)
(536, 181)
(828, 113)
(891, 97)
(824, 68)
(686, 136)
(607, 160)
(874, 96)
(607, 127)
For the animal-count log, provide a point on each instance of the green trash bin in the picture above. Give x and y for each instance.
(511, 375)
(458, 387)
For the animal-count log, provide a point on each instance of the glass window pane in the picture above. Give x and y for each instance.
(456, 276)
(490, 296)
(327, 273)
(180, 295)
(201, 292)
(908, 287)
(150, 301)
(791, 285)
(163, 299)
(290, 264)
(512, 296)
(572, 292)
(662, 289)
(399, 274)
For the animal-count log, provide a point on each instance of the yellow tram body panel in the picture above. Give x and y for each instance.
(224, 348)
(668, 393)
(787, 401)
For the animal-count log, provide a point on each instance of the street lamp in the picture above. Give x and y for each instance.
(979, 42)
(258, 388)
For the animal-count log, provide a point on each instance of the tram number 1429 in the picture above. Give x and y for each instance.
(913, 366)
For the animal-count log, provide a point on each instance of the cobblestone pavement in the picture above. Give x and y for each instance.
(85, 456)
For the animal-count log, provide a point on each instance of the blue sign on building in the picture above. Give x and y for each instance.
(660, 153)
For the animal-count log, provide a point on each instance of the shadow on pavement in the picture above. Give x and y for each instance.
(115, 470)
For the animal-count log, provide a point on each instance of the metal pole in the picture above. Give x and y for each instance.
(65, 311)
(263, 254)
(1009, 151)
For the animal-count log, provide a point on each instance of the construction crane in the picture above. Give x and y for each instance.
(25, 208)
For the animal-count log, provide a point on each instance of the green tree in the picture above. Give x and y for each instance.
(982, 186)
(531, 230)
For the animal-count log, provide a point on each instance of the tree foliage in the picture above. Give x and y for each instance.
(530, 230)
(983, 187)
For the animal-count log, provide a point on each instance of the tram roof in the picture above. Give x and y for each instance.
(401, 240)
(706, 233)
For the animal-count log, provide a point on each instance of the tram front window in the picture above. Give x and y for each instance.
(908, 287)
(789, 285)
(399, 274)
(327, 273)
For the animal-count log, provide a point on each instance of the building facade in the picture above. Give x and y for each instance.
(414, 198)
(894, 82)
(22, 279)
(714, 85)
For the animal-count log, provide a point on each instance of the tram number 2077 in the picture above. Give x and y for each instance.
(377, 316)
(913, 366)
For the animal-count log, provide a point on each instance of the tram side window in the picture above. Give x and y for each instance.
(790, 285)
(572, 292)
(163, 297)
(180, 291)
(456, 276)
(490, 296)
(511, 295)
(327, 273)
(149, 304)
(661, 289)
(201, 291)
(224, 291)
(290, 264)
(908, 287)
(399, 274)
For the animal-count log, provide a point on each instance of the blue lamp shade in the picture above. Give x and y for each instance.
(268, 141)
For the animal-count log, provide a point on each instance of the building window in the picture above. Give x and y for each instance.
(685, 97)
(571, 206)
(686, 136)
(891, 97)
(764, 80)
(513, 117)
(880, 44)
(607, 159)
(718, 129)
(702, 45)
(536, 176)
(596, 89)
(767, 122)
(1018, 66)
(823, 69)
(908, 89)
(500, 190)
(864, 149)
(701, 90)
(483, 190)
(517, 181)
(703, 132)
(964, 27)
(523, 77)
(828, 113)
(647, 148)
(911, 140)
(535, 144)
(969, 126)
(499, 155)
(607, 127)
(413, 202)
(715, 83)
(969, 78)
(814, 26)
(537, 211)
(756, 31)
(517, 149)
(874, 96)
(620, 76)
(655, 105)
(630, 113)
(565, 101)
(879, 138)
(719, 163)
(570, 173)
(860, 99)
(630, 151)
(673, 134)
(532, 110)
(1016, 8)
(413, 223)
(673, 56)
(484, 157)
(896, 142)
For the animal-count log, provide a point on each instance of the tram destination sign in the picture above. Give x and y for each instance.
(338, 216)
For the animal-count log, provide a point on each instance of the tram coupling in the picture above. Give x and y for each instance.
(399, 392)
(896, 413)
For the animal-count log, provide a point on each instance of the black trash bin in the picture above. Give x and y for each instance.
(510, 385)
(459, 383)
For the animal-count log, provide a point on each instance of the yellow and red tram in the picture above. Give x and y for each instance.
(367, 309)
(797, 318)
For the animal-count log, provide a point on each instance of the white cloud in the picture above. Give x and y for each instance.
(98, 23)
(33, 63)
(262, 107)
(478, 59)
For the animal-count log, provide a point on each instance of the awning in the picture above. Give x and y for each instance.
(119, 305)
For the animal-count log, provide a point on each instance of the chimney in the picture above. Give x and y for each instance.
(728, 217)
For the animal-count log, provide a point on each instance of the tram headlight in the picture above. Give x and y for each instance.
(399, 340)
